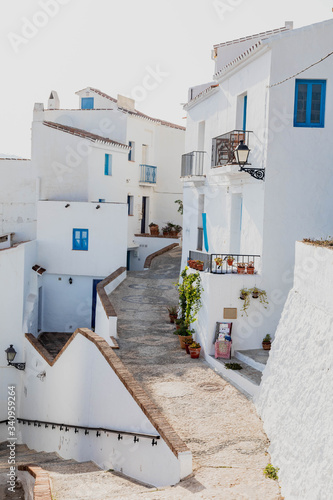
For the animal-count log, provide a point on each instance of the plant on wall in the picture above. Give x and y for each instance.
(180, 206)
(245, 294)
(189, 289)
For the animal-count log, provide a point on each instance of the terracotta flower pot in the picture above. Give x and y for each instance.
(182, 339)
(154, 231)
(230, 262)
(250, 270)
(241, 270)
(266, 346)
(195, 352)
(199, 267)
(187, 349)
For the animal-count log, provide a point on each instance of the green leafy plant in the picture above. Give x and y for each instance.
(268, 338)
(180, 206)
(271, 472)
(233, 366)
(153, 224)
(173, 310)
(190, 290)
(245, 295)
(194, 345)
(184, 331)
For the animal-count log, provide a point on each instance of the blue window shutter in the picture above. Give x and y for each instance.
(87, 103)
(244, 112)
(309, 108)
(80, 239)
(106, 165)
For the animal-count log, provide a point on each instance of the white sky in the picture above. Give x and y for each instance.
(109, 45)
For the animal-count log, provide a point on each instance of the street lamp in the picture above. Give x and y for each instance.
(241, 154)
(11, 353)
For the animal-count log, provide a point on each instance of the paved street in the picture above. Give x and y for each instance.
(219, 424)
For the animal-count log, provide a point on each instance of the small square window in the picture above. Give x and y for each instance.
(87, 103)
(310, 103)
(80, 239)
(108, 165)
(131, 154)
(130, 204)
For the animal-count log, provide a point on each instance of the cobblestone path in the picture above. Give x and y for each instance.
(219, 424)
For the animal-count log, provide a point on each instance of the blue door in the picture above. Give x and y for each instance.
(94, 299)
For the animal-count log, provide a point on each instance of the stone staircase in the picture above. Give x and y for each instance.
(248, 379)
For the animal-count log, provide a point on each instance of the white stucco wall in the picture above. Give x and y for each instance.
(17, 283)
(147, 246)
(295, 399)
(107, 237)
(18, 199)
(86, 391)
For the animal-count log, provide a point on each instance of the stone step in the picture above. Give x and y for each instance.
(256, 358)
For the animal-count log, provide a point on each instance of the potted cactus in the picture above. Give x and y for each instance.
(266, 343)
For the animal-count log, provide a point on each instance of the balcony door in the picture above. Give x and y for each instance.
(144, 213)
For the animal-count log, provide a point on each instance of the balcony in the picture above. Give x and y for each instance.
(148, 174)
(223, 263)
(192, 164)
(224, 146)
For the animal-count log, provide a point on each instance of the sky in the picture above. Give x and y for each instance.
(150, 50)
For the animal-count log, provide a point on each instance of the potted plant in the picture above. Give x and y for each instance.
(173, 313)
(184, 333)
(266, 343)
(255, 292)
(241, 268)
(245, 295)
(154, 229)
(187, 343)
(261, 294)
(179, 322)
(195, 349)
(189, 290)
(171, 230)
(230, 260)
(218, 261)
(199, 265)
(250, 268)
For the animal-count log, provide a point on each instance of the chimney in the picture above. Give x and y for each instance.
(125, 103)
(54, 102)
(289, 25)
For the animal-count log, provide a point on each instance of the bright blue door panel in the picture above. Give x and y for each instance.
(87, 103)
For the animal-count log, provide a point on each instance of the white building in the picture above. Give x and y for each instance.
(273, 91)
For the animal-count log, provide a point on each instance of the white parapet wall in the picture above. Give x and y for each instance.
(92, 388)
(295, 399)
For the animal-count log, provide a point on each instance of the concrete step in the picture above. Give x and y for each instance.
(256, 358)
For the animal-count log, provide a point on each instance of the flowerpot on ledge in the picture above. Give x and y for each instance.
(266, 346)
(241, 268)
(154, 230)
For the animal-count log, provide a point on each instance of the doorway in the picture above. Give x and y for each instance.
(144, 212)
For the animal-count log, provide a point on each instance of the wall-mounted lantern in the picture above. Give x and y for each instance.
(241, 155)
(11, 353)
(70, 281)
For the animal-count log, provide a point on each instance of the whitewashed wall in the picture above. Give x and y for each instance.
(296, 393)
(147, 246)
(106, 327)
(17, 281)
(18, 199)
(107, 237)
(86, 391)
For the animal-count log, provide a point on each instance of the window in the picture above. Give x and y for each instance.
(80, 239)
(87, 103)
(131, 154)
(101, 200)
(309, 103)
(108, 165)
(130, 204)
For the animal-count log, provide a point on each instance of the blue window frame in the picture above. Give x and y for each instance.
(80, 239)
(87, 103)
(108, 165)
(310, 103)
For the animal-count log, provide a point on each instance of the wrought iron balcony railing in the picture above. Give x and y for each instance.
(224, 145)
(148, 174)
(223, 263)
(192, 163)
